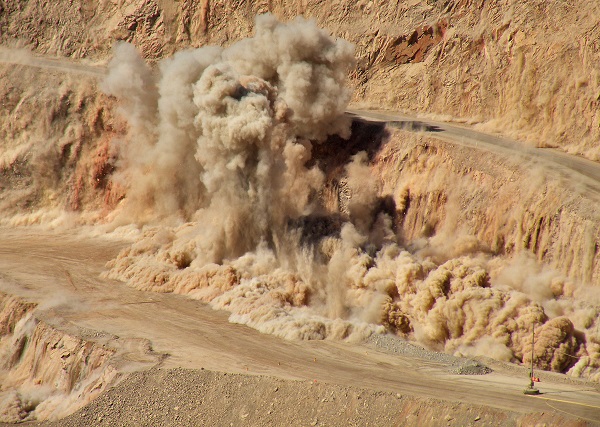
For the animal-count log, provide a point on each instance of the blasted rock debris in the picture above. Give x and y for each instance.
(212, 142)
(223, 229)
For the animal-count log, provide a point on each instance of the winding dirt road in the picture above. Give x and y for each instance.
(577, 168)
(60, 271)
(574, 169)
(25, 57)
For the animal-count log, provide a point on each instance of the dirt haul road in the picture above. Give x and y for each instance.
(574, 169)
(60, 271)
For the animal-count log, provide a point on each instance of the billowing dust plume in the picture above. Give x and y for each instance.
(220, 173)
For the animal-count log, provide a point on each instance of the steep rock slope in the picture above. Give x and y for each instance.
(525, 68)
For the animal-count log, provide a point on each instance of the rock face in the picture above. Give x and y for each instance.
(48, 368)
(525, 69)
(45, 372)
(261, 198)
(414, 47)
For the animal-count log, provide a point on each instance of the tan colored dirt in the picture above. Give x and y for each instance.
(361, 383)
(133, 213)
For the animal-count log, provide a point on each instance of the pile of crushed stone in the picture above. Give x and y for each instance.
(454, 365)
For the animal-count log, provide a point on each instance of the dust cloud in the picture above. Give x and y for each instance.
(220, 176)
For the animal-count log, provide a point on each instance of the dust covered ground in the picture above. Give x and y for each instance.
(230, 399)
(112, 355)
(229, 175)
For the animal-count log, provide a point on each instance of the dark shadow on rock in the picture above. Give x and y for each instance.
(314, 227)
(336, 152)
